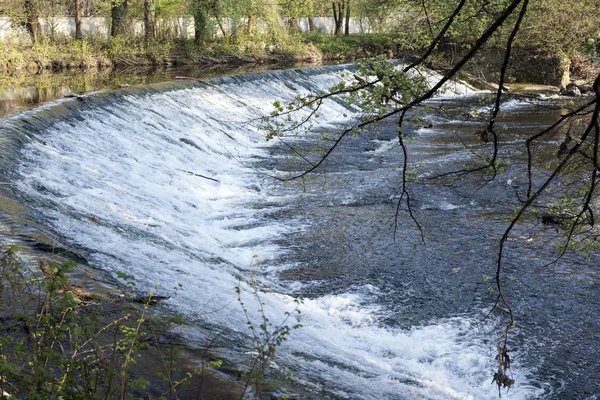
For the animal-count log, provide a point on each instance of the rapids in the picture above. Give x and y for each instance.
(171, 183)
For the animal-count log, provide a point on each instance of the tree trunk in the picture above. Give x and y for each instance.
(149, 20)
(311, 25)
(78, 12)
(119, 12)
(347, 30)
(221, 27)
(32, 21)
(200, 10)
(335, 17)
(251, 24)
(338, 15)
(293, 25)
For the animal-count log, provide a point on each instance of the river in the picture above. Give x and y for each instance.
(172, 184)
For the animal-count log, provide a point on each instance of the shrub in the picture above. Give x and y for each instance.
(57, 341)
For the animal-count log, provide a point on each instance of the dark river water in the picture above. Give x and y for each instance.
(120, 179)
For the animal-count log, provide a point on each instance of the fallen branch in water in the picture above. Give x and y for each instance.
(151, 300)
(198, 175)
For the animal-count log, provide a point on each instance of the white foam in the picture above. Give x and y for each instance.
(383, 146)
(121, 182)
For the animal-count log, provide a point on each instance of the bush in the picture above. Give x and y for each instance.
(57, 341)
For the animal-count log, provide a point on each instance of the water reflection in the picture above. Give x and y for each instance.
(21, 91)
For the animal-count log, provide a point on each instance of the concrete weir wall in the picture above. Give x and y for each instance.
(526, 66)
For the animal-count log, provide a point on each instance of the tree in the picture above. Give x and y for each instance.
(294, 9)
(200, 13)
(149, 19)
(347, 29)
(78, 12)
(311, 24)
(32, 22)
(119, 17)
(339, 11)
(386, 93)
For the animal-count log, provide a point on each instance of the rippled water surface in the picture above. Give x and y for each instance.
(171, 183)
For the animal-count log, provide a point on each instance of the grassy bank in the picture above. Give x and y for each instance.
(21, 56)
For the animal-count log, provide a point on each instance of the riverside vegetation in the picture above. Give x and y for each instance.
(151, 32)
(60, 341)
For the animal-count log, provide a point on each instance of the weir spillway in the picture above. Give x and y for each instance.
(172, 184)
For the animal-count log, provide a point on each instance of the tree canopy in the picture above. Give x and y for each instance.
(548, 24)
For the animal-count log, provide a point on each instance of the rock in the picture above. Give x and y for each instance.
(555, 219)
(585, 87)
(571, 90)
(494, 86)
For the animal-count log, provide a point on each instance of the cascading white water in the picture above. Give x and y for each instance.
(163, 186)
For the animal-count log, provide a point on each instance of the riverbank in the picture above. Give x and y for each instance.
(20, 58)
(21, 90)
(24, 89)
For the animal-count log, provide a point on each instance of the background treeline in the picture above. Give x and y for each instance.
(550, 24)
(82, 34)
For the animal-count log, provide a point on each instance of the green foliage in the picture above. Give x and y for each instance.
(122, 46)
(10, 55)
(57, 344)
(266, 335)
(131, 48)
(332, 46)
(362, 45)
(549, 25)
(377, 87)
(552, 26)
(256, 28)
(591, 46)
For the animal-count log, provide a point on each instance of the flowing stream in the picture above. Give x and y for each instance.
(172, 184)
